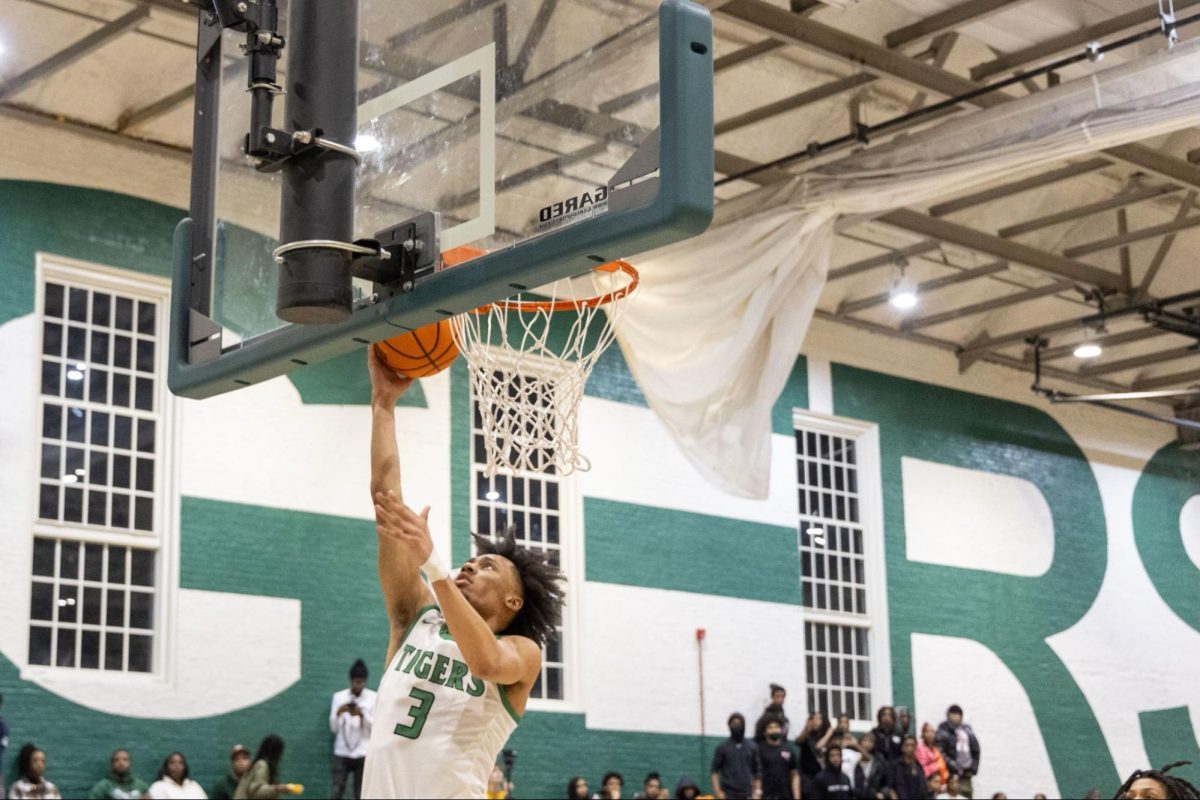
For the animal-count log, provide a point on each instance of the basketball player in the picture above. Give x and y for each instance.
(464, 650)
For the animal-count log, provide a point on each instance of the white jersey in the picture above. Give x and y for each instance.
(437, 728)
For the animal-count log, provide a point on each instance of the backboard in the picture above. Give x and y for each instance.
(555, 134)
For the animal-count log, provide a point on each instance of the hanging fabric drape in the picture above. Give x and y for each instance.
(720, 319)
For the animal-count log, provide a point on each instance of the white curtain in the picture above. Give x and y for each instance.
(719, 320)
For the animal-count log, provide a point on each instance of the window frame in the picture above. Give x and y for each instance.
(163, 538)
(871, 521)
(571, 556)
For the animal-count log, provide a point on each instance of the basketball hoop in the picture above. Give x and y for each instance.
(530, 356)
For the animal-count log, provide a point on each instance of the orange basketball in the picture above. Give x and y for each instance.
(420, 353)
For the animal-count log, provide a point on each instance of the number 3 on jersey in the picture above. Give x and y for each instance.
(419, 713)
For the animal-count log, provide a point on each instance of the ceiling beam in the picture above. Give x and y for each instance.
(73, 52)
(954, 17)
(1164, 249)
(985, 306)
(1016, 187)
(1121, 239)
(925, 287)
(1156, 162)
(1074, 40)
(991, 358)
(137, 116)
(1150, 359)
(1110, 340)
(814, 95)
(882, 260)
(730, 164)
(1117, 201)
(1163, 381)
(1015, 252)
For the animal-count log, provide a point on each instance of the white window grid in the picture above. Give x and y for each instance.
(833, 574)
(847, 656)
(91, 606)
(838, 665)
(101, 486)
(536, 504)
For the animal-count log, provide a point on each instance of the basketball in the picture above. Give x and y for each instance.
(420, 353)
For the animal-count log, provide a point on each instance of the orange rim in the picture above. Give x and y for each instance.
(460, 255)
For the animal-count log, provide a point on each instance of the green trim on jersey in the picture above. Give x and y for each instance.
(512, 712)
(412, 624)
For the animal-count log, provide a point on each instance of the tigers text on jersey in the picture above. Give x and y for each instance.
(437, 728)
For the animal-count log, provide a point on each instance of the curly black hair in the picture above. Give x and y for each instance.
(1175, 787)
(541, 584)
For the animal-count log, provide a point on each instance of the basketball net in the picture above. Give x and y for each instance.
(529, 357)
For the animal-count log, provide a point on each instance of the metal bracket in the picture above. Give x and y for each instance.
(404, 253)
(631, 186)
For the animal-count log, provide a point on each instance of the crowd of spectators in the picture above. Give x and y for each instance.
(823, 760)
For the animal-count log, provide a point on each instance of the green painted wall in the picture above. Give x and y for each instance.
(977, 432)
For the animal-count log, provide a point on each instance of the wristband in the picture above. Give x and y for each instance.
(435, 568)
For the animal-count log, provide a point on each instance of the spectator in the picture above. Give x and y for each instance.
(650, 786)
(905, 776)
(736, 771)
(261, 781)
(610, 786)
(779, 763)
(812, 742)
(887, 739)
(174, 783)
(775, 707)
(999, 796)
(934, 785)
(960, 748)
(686, 789)
(1093, 794)
(930, 756)
(239, 763)
(952, 790)
(1156, 783)
(1039, 796)
(577, 789)
(350, 717)
(851, 753)
(31, 783)
(121, 783)
(871, 768)
(498, 788)
(903, 720)
(3, 745)
(831, 782)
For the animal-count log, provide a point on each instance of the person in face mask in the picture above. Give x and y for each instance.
(780, 770)
(736, 767)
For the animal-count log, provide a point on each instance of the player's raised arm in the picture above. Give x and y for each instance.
(399, 570)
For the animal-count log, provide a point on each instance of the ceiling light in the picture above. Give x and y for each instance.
(70, 478)
(903, 296)
(1087, 350)
(492, 495)
(817, 535)
(366, 143)
(81, 472)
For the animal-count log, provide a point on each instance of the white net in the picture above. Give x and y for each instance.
(529, 358)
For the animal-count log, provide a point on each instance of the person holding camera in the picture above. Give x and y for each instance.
(351, 714)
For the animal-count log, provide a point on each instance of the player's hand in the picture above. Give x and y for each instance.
(386, 384)
(397, 521)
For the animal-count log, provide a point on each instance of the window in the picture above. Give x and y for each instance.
(99, 521)
(538, 506)
(841, 567)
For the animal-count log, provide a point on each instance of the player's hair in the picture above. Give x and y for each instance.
(541, 585)
(25, 758)
(270, 751)
(1175, 787)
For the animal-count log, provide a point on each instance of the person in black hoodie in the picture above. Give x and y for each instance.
(736, 769)
(780, 770)
(831, 782)
(887, 738)
(905, 776)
